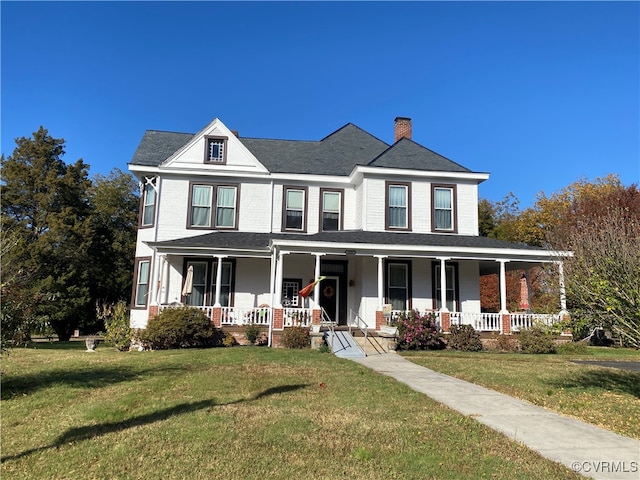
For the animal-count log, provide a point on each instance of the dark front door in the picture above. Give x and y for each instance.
(329, 297)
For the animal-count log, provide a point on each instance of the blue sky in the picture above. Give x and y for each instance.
(538, 94)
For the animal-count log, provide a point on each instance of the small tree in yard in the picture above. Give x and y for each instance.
(116, 321)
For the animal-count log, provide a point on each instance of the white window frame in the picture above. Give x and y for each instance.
(220, 207)
(142, 282)
(302, 209)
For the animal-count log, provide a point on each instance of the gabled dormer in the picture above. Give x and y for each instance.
(214, 149)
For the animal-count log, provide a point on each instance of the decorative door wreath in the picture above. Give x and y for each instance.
(328, 291)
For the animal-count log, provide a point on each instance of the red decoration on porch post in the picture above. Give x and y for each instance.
(524, 294)
(306, 291)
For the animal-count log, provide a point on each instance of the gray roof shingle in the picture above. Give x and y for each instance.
(408, 154)
(259, 241)
(336, 154)
(156, 146)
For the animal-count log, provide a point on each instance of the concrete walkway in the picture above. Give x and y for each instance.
(587, 449)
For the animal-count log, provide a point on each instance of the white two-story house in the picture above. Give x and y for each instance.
(238, 226)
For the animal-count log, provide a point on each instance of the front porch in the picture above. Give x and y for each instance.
(280, 318)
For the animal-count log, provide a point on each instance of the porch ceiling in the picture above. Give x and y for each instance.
(358, 242)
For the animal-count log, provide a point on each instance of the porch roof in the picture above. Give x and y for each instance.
(358, 242)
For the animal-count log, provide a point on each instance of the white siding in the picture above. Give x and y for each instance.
(467, 209)
(469, 278)
(374, 215)
(252, 282)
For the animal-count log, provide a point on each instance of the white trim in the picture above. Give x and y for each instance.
(386, 172)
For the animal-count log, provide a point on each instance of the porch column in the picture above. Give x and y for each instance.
(563, 292)
(154, 279)
(218, 280)
(380, 281)
(165, 282)
(443, 285)
(316, 289)
(162, 289)
(503, 286)
(380, 320)
(278, 285)
(272, 288)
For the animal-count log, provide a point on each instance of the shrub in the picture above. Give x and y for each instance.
(418, 332)
(573, 348)
(179, 328)
(116, 322)
(229, 340)
(537, 339)
(504, 343)
(252, 333)
(464, 338)
(296, 337)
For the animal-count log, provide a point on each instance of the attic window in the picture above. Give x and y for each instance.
(216, 150)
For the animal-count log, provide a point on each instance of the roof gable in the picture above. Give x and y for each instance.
(192, 153)
(407, 154)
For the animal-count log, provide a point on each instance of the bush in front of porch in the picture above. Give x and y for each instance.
(183, 327)
(418, 332)
(464, 338)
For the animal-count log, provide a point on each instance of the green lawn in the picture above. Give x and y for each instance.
(241, 413)
(607, 397)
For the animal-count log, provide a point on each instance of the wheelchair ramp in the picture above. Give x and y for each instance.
(344, 345)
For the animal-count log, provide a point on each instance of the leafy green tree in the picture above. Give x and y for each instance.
(504, 221)
(601, 225)
(47, 202)
(114, 219)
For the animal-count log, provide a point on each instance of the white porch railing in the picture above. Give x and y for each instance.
(245, 316)
(491, 322)
(234, 315)
(301, 317)
(297, 317)
(484, 322)
(520, 321)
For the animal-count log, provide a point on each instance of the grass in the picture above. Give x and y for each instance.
(606, 397)
(242, 412)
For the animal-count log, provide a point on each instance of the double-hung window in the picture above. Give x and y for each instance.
(148, 205)
(295, 203)
(398, 206)
(213, 206)
(331, 215)
(216, 150)
(141, 293)
(201, 205)
(443, 215)
(226, 207)
(398, 295)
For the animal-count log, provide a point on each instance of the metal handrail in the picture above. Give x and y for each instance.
(364, 329)
(326, 320)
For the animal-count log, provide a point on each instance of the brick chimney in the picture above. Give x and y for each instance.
(402, 128)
